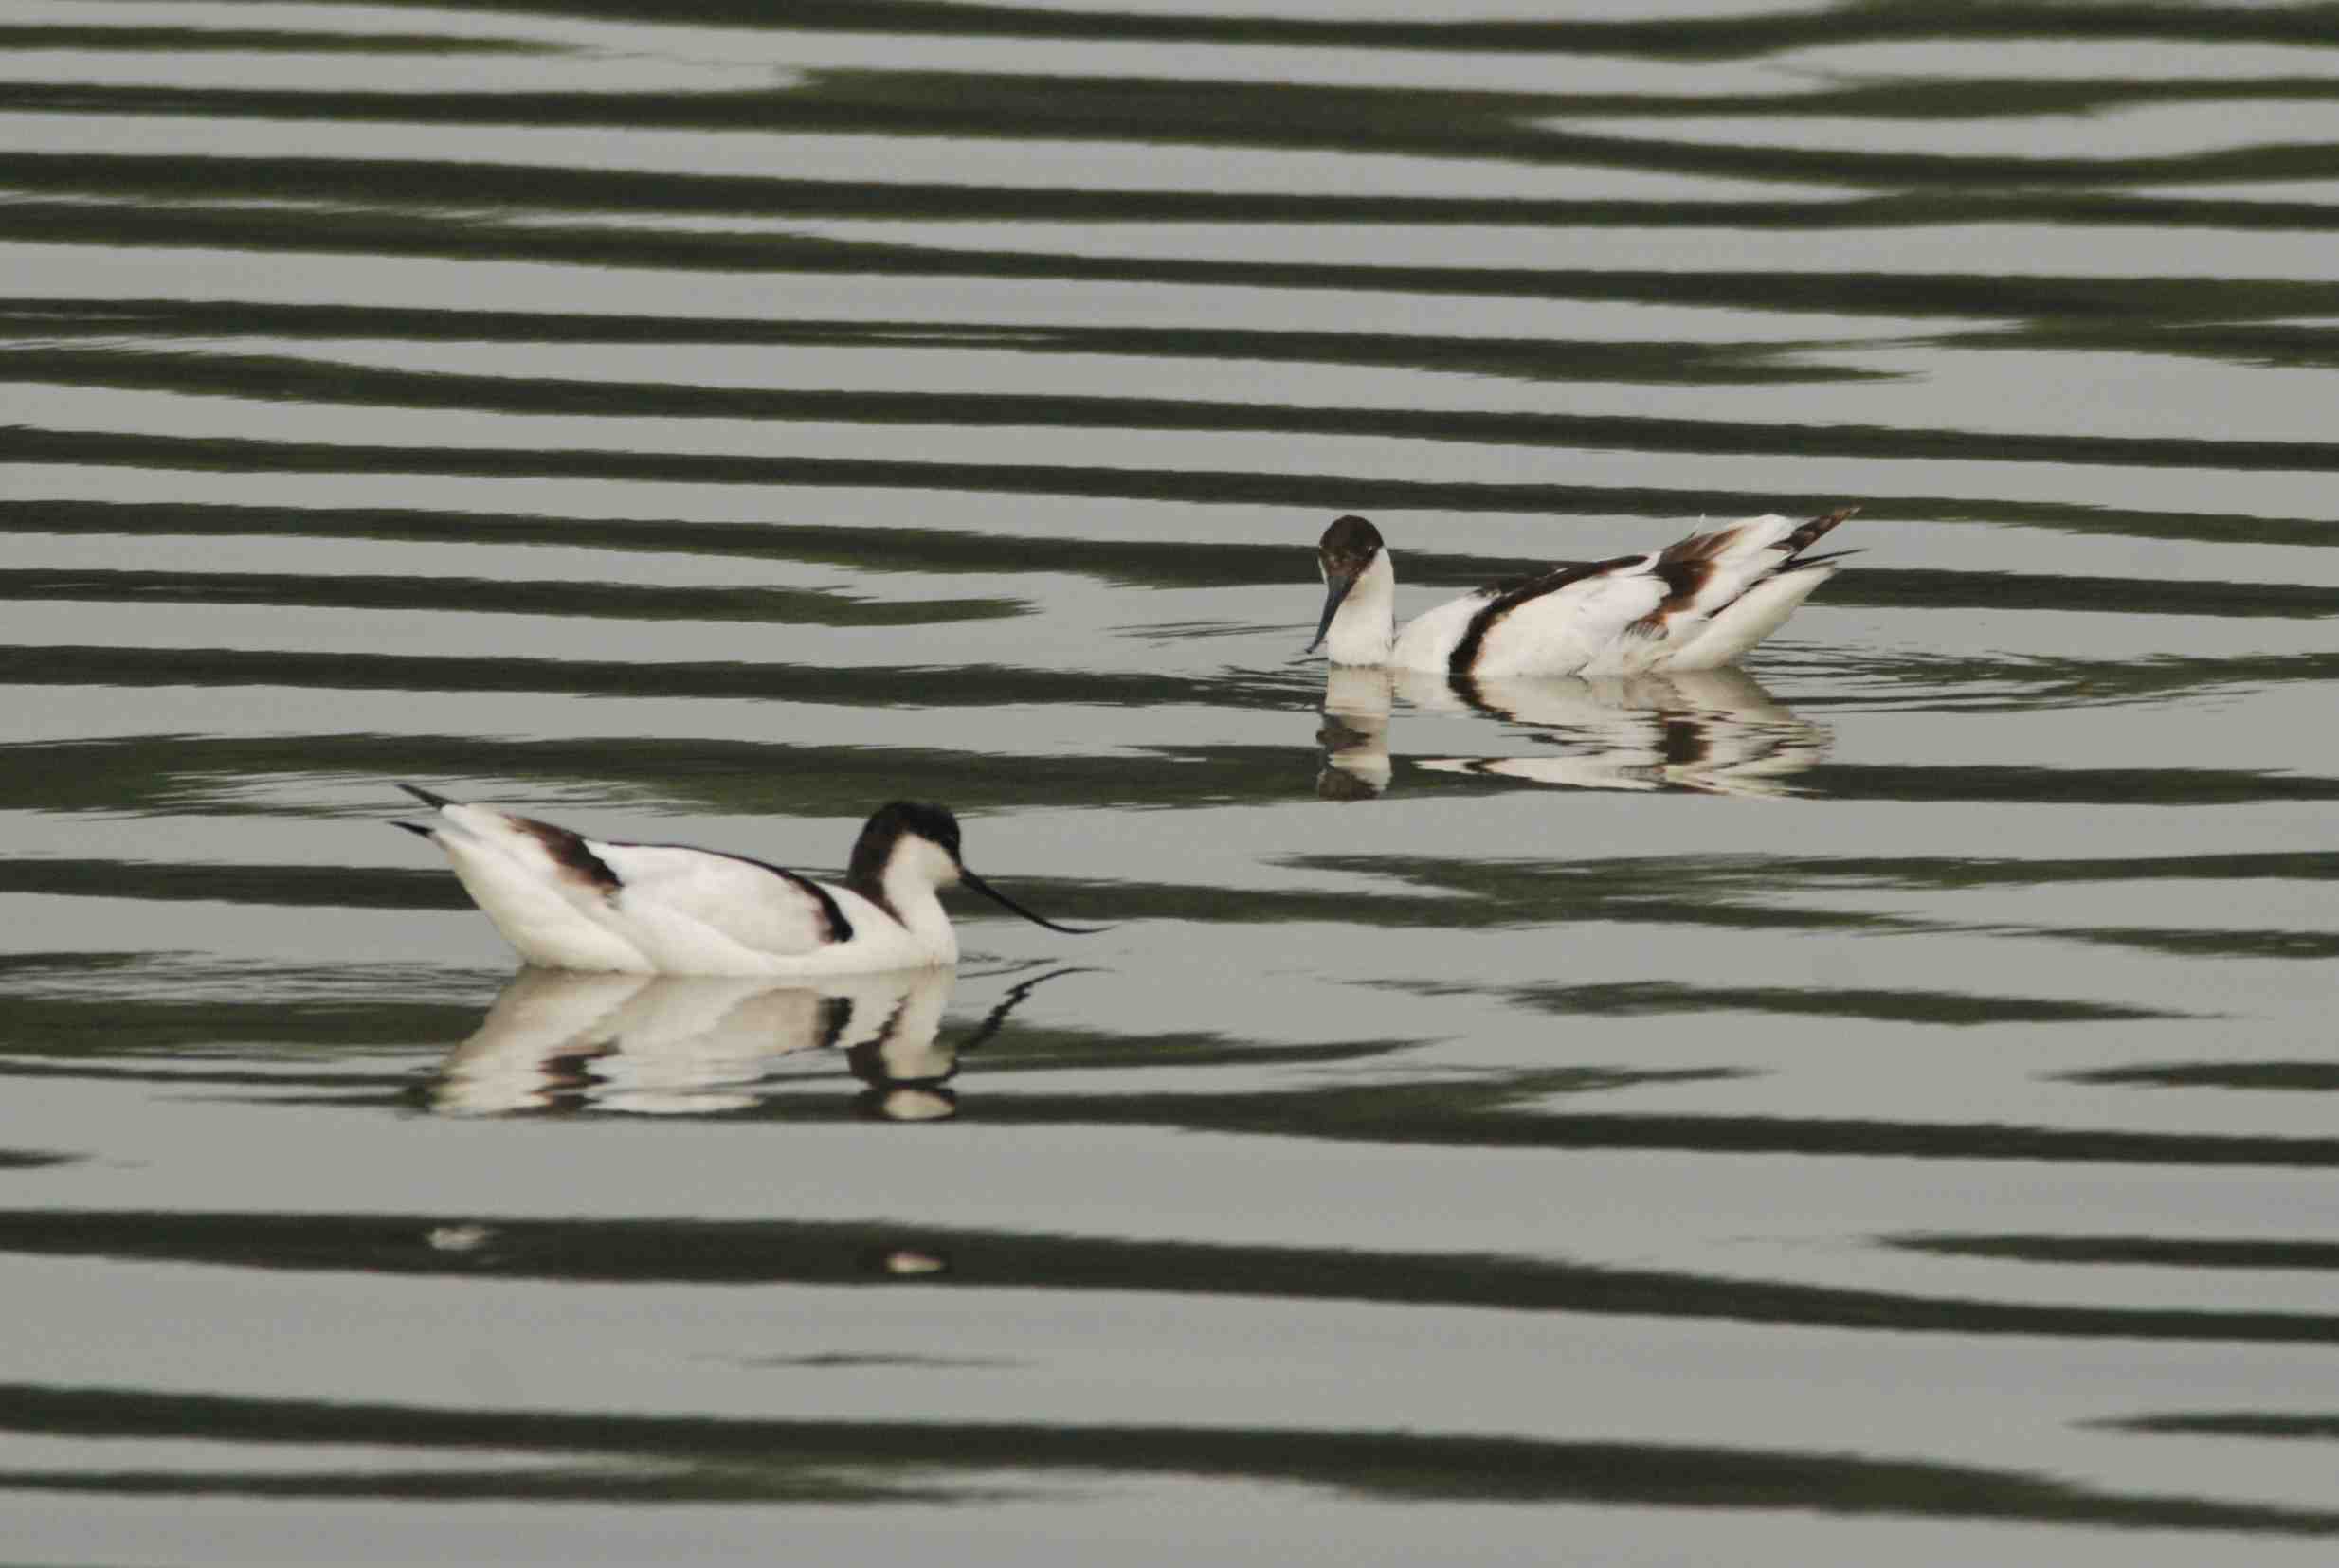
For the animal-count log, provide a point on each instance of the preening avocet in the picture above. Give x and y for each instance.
(570, 902)
(1696, 604)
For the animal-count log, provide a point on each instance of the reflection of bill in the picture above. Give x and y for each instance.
(679, 1045)
(1715, 731)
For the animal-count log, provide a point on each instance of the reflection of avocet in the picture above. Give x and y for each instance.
(1354, 734)
(569, 902)
(674, 1045)
(1712, 730)
(1696, 604)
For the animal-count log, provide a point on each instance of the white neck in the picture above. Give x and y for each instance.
(910, 884)
(1366, 627)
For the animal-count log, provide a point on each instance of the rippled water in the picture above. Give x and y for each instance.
(1858, 1109)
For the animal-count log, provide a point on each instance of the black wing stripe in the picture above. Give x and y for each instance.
(1810, 533)
(570, 853)
(1464, 658)
(1684, 578)
(832, 913)
(840, 929)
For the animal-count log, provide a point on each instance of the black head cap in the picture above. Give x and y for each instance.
(898, 819)
(885, 829)
(924, 818)
(1348, 546)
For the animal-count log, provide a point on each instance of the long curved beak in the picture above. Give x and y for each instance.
(1337, 585)
(996, 896)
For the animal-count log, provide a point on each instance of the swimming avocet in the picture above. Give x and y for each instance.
(569, 902)
(1696, 604)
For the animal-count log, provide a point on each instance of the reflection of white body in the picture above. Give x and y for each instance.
(569, 902)
(676, 1045)
(1696, 604)
(1713, 731)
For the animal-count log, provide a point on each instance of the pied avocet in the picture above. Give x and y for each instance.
(1696, 604)
(570, 902)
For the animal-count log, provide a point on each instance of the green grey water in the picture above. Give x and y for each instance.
(1863, 1111)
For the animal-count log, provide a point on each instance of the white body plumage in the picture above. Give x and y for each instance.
(568, 902)
(1697, 604)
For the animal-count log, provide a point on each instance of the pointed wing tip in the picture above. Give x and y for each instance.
(1810, 563)
(424, 829)
(1812, 533)
(428, 797)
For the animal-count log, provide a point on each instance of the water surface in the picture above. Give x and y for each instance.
(1862, 1108)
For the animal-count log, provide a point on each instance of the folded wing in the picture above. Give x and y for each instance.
(683, 904)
